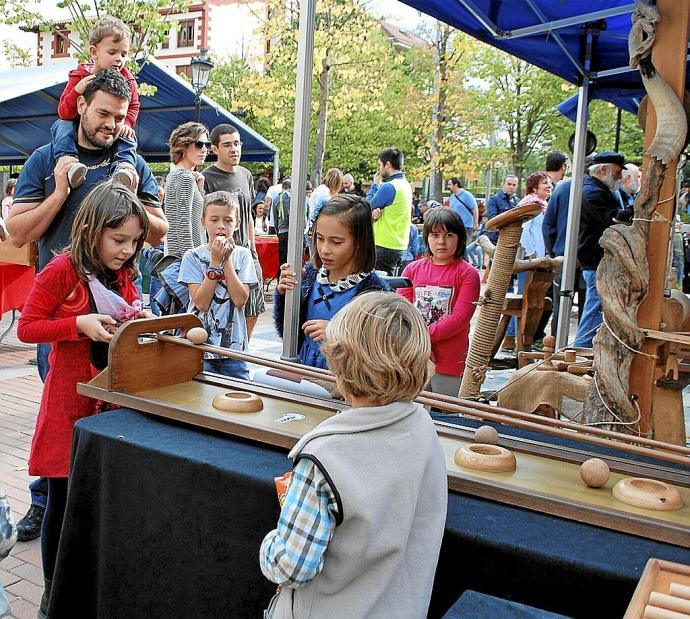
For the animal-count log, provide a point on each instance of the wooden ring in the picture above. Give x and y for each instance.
(484, 457)
(648, 494)
(238, 402)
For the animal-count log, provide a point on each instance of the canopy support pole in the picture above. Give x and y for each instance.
(300, 150)
(575, 201)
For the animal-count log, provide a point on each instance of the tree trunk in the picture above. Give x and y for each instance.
(438, 114)
(322, 125)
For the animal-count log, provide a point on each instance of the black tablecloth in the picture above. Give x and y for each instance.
(165, 520)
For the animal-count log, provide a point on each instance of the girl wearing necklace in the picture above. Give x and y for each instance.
(341, 268)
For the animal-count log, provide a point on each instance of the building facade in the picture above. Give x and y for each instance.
(224, 27)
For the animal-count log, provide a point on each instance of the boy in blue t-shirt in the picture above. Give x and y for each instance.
(218, 276)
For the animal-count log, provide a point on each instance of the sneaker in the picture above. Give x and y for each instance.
(124, 177)
(508, 343)
(538, 345)
(76, 175)
(29, 527)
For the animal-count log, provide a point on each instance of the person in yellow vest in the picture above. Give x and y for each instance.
(390, 197)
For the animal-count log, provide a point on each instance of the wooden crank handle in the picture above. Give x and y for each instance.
(513, 216)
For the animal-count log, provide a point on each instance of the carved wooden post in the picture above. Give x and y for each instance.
(509, 226)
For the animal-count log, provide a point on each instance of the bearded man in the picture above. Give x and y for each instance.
(600, 206)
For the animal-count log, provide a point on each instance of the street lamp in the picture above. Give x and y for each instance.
(201, 70)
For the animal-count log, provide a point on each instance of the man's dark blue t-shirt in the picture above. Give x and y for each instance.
(36, 182)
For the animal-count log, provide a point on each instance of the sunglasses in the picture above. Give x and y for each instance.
(201, 144)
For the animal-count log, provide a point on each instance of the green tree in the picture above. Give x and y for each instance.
(362, 92)
(16, 55)
(602, 122)
(521, 101)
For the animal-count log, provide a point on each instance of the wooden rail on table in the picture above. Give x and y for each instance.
(563, 429)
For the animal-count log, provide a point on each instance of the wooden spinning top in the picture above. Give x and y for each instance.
(238, 402)
(481, 457)
(549, 348)
(648, 494)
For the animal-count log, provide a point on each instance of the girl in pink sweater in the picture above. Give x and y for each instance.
(444, 289)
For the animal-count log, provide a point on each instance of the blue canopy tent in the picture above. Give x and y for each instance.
(29, 99)
(585, 42)
(628, 100)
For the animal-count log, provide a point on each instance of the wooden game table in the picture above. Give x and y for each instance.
(165, 515)
(165, 520)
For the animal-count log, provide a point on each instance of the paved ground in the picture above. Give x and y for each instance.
(20, 393)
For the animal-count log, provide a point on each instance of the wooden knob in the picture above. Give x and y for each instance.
(487, 435)
(197, 335)
(569, 355)
(595, 472)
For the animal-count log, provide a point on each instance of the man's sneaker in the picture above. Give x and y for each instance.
(538, 345)
(124, 177)
(76, 175)
(29, 527)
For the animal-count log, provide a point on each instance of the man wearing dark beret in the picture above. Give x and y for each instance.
(600, 207)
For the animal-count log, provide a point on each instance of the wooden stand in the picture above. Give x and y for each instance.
(664, 586)
(546, 480)
(669, 57)
(25, 255)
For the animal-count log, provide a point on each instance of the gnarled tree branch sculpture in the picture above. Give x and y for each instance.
(623, 274)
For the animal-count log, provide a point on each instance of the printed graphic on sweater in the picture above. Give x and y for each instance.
(433, 302)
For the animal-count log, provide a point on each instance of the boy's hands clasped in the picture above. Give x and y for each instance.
(221, 249)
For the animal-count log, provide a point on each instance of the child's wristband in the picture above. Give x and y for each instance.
(215, 273)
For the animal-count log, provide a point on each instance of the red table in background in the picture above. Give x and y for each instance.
(267, 249)
(15, 283)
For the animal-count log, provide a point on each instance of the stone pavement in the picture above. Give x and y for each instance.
(21, 573)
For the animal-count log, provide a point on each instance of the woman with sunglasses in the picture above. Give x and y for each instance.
(189, 145)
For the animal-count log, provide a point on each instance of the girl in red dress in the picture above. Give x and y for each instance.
(96, 270)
